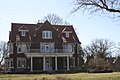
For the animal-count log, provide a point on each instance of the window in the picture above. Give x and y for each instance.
(6, 63)
(47, 47)
(23, 33)
(47, 34)
(21, 62)
(10, 48)
(67, 48)
(9, 63)
(67, 34)
(22, 47)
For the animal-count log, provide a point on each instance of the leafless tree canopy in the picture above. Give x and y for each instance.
(99, 47)
(3, 50)
(53, 19)
(98, 5)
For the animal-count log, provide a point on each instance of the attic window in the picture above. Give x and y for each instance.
(67, 34)
(23, 30)
(23, 33)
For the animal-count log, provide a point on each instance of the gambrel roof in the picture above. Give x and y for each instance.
(34, 29)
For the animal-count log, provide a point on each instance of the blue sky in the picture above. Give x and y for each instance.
(87, 27)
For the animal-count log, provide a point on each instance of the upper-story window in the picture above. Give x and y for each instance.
(10, 48)
(67, 34)
(23, 30)
(68, 48)
(23, 47)
(47, 34)
(23, 33)
(47, 47)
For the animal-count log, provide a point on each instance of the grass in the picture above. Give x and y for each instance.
(77, 76)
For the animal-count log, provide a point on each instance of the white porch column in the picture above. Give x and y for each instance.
(43, 63)
(31, 68)
(56, 63)
(67, 63)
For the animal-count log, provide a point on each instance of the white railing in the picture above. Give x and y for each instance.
(49, 51)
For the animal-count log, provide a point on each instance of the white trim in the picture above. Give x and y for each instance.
(67, 63)
(22, 27)
(11, 63)
(21, 47)
(44, 63)
(49, 55)
(24, 30)
(21, 62)
(43, 47)
(23, 33)
(67, 34)
(31, 68)
(46, 34)
(10, 48)
(56, 68)
(68, 48)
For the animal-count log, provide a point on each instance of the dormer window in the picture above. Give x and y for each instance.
(67, 34)
(67, 31)
(23, 33)
(47, 34)
(23, 30)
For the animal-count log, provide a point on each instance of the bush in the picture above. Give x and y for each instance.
(100, 71)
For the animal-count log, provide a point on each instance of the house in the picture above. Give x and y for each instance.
(42, 47)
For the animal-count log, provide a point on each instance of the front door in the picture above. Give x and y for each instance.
(48, 64)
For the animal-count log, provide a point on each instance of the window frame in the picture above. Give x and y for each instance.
(46, 34)
(67, 34)
(68, 48)
(21, 47)
(10, 48)
(20, 62)
(23, 33)
(43, 47)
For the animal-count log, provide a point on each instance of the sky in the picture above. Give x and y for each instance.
(87, 27)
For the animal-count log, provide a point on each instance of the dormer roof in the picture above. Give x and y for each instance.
(23, 28)
(66, 29)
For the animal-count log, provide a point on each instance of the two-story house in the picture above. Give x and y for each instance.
(42, 47)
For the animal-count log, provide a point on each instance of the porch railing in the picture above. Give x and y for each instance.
(49, 51)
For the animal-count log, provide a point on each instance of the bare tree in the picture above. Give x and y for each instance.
(3, 51)
(98, 63)
(93, 6)
(53, 19)
(97, 52)
(118, 50)
(99, 47)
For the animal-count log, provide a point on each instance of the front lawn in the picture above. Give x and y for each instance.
(77, 76)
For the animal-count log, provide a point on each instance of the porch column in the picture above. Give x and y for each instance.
(67, 63)
(31, 64)
(56, 63)
(78, 62)
(43, 63)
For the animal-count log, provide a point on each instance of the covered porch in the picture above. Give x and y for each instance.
(49, 63)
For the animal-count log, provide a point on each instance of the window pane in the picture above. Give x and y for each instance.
(50, 34)
(43, 34)
(23, 33)
(47, 34)
(21, 62)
